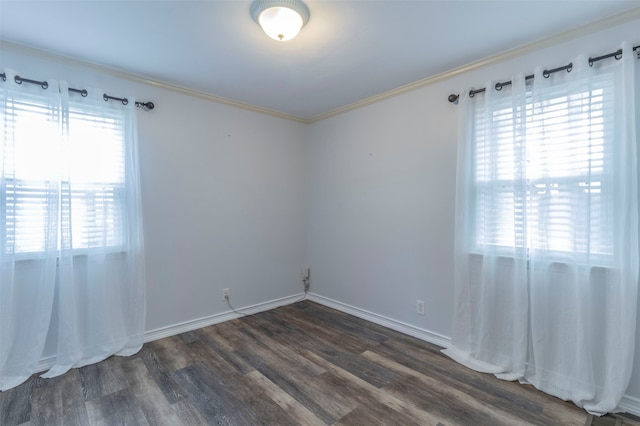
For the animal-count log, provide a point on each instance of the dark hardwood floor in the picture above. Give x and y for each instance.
(302, 364)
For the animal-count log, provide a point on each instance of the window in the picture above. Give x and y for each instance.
(547, 230)
(540, 165)
(72, 163)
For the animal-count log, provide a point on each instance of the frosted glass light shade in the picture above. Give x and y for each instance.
(280, 19)
(280, 23)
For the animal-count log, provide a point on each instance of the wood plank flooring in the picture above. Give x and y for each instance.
(303, 364)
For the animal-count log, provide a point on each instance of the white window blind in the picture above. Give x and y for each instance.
(96, 176)
(541, 170)
(547, 230)
(63, 175)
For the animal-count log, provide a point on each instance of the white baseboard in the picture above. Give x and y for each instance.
(630, 404)
(45, 363)
(183, 327)
(160, 333)
(411, 330)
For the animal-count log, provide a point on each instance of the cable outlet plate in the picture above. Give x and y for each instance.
(420, 307)
(225, 293)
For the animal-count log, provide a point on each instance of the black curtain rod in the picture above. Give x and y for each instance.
(546, 73)
(83, 92)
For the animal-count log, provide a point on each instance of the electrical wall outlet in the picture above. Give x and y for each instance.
(420, 307)
(225, 293)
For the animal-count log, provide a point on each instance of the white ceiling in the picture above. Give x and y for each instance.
(350, 49)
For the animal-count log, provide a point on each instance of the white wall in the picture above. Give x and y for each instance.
(224, 195)
(228, 200)
(381, 187)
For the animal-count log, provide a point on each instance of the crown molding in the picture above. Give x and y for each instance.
(4, 44)
(592, 27)
(586, 29)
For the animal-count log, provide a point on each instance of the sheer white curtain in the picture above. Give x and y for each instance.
(72, 257)
(547, 232)
(28, 114)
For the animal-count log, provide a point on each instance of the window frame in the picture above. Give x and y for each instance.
(69, 191)
(480, 241)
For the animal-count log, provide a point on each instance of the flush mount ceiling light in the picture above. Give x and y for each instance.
(280, 19)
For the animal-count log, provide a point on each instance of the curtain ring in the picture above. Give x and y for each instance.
(19, 80)
(84, 93)
(546, 73)
(471, 94)
(618, 55)
(125, 101)
(570, 67)
(498, 86)
(105, 97)
(591, 61)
